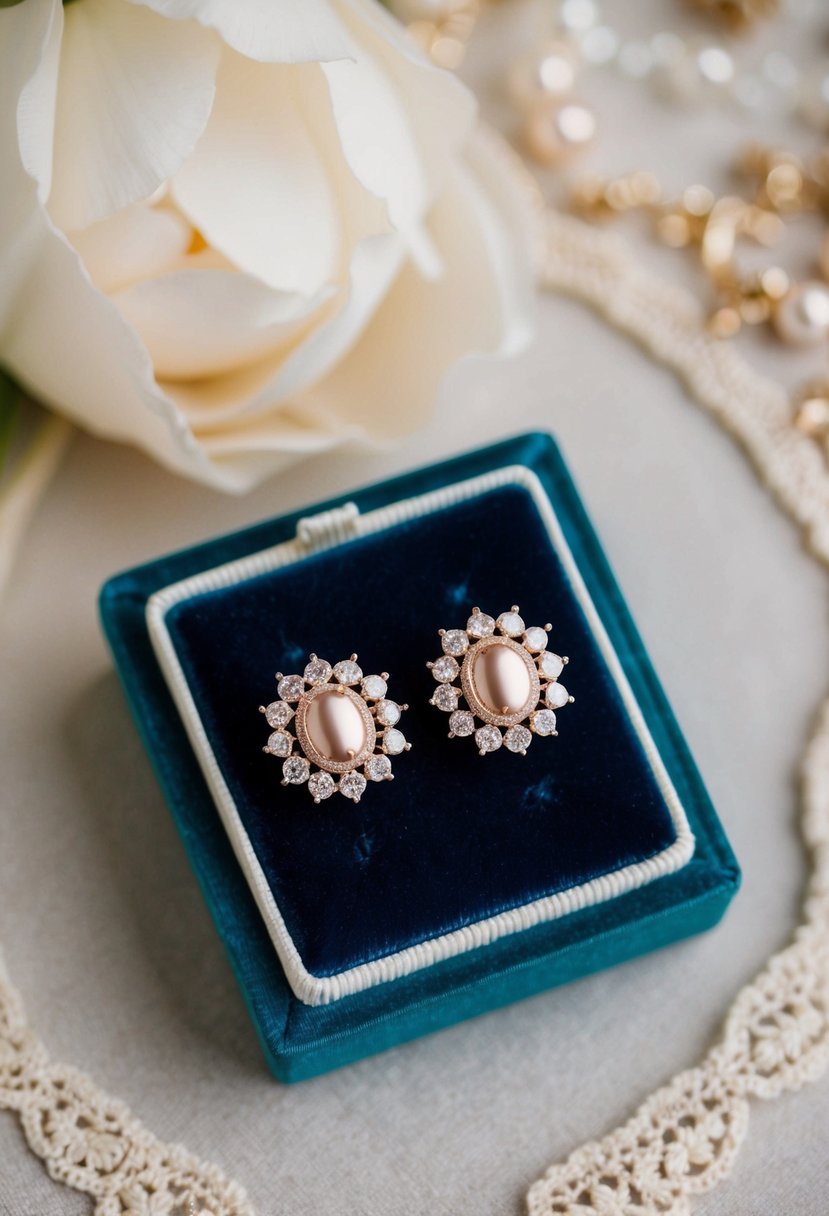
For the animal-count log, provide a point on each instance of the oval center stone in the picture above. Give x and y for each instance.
(335, 726)
(501, 679)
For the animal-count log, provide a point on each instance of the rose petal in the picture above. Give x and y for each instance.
(36, 106)
(256, 186)
(378, 144)
(200, 323)
(137, 243)
(67, 344)
(439, 110)
(483, 305)
(252, 392)
(134, 94)
(274, 31)
(24, 37)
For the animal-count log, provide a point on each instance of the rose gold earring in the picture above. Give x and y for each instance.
(507, 676)
(342, 722)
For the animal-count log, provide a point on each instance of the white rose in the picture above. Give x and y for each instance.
(234, 231)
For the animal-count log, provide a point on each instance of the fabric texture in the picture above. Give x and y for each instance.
(431, 874)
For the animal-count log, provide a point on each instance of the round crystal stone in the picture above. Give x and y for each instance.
(278, 713)
(511, 624)
(544, 722)
(445, 669)
(462, 723)
(374, 687)
(517, 739)
(352, 785)
(394, 742)
(295, 771)
(535, 638)
(347, 672)
(321, 785)
(291, 688)
(551, 665)
(557, 695)
(455, 641)
(388, 712)
(318, 671)
(378, 768)
(280, 744)
(488, 738)
(480, 625)
(446, 697)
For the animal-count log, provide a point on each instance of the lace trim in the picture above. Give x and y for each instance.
(683, 1140)
(91, 1142)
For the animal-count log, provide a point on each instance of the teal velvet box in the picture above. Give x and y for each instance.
(469, 882)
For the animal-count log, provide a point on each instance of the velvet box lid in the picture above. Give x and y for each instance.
(468, 882)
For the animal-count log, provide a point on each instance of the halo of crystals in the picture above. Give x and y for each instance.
(295, 692)
(509, 628)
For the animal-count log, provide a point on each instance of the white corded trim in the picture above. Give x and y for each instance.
(320, 990)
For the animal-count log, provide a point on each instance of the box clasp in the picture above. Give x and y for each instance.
(328, 527)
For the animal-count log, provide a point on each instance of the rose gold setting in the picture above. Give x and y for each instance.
(478, 717)
(311, 764)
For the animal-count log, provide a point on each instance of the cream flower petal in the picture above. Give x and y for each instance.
(440, 111)
(424, 325)
(36, 106)
(256, 186)
(253, 392)
(378, 143)
(68, 346)
(134, 94)
(200, 323)
(273, 31)
(24, 38)
(374, 266)
(134, 244)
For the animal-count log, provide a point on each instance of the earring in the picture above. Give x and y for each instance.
(339, 728)
(507, 676)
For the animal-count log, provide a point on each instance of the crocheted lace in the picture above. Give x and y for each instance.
(91, 1142)
(683, 1140)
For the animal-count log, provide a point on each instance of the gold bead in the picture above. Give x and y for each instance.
(543, 75)
(555, 133)
(725, 322)
(812, 413)
(674, 229)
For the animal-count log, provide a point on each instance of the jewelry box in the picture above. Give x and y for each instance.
(469, 881)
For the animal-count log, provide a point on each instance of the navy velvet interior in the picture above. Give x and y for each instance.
(456, 837)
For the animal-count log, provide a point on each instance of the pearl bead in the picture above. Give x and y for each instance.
(635, 60)
(802, 317)
(556, 133)
(577, 15)
(550, 73)
(501, 679)
(715, 65)
(335, 726)
(600, 45)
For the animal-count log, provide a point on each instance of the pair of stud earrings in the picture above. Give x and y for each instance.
(346, 727)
